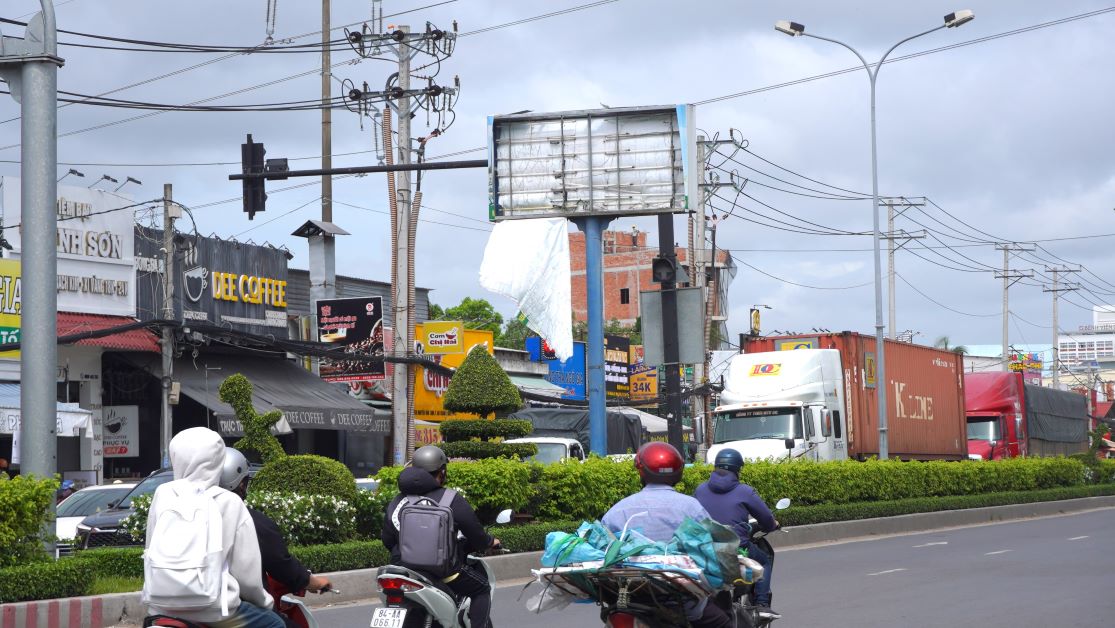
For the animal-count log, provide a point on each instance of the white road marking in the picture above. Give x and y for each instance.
(1077, 538)
(998, 552)
(879, 573)
(931, 544)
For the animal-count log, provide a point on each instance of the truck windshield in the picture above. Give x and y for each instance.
(983, 428)
(548, 452)
(780, 423)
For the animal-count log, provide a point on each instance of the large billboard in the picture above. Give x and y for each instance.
(430, 387)
(357, 325)
(570, 374)
(223, 282)
(628, 161)
(95, 244)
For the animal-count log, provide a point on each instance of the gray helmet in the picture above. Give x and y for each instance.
(234, 469)
(429, 458)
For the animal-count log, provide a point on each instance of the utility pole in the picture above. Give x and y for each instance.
(402, 399)
(30, 68)
(1010, 278)
(166, 424)
(891, 236)
(326, 116)
(1057, 289)
(697, 263)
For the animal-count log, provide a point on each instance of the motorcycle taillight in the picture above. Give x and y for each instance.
(405, 585)
(394, 597)
(621, 620)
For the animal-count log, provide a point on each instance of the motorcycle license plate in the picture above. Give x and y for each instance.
(388, 617)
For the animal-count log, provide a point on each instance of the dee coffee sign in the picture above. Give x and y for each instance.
(95, 242)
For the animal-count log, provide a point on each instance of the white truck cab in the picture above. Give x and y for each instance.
(552, 449)
(785, 404)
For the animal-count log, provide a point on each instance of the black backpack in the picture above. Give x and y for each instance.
(428, 534)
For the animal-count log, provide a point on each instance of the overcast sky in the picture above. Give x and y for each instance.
(1012, 136)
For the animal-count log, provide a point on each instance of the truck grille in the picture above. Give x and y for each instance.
(107, 538)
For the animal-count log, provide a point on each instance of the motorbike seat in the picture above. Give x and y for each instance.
(164, 621)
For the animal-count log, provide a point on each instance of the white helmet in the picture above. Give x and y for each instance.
(234, 469)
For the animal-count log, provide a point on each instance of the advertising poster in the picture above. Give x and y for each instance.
(569, 374)
(443, 337)
(11, 302)
(120, 431)
(644, 382)
(357, 325)
(617, 362)
(430, 387)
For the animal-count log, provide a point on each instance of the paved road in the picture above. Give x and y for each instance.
(1054, 571)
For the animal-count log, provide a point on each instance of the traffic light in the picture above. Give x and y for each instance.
(251, 162)
(663, 270)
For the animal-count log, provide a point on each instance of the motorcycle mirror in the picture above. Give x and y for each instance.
(504, 517)
(782, 504)
(789, 443)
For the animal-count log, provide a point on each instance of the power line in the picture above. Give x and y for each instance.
(794, 283)
(535, 18)
(938, 303)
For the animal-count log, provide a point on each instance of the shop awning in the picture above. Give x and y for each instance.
(131, 340)
(536, 384)
(305, 400)
(71, 417)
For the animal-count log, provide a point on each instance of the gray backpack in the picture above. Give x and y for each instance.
(428, 534)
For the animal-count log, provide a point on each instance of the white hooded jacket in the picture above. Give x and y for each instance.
(197, 454)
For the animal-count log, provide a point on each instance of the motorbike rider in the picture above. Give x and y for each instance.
(276, 559)
(732, 503)
(659, 510)
(425, 477)
(197, 454)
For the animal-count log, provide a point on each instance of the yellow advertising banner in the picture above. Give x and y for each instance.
(442, 337)
(430, 387)
(11, 303)
(644, 383)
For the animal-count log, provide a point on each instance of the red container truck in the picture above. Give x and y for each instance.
(818, 391)
(1009, 418)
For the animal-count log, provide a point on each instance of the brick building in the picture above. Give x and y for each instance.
(627, 271)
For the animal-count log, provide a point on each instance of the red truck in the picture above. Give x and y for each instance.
(1009, 418)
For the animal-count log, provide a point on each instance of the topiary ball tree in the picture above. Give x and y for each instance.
(480, 386)
(306, 475)
(236, 391)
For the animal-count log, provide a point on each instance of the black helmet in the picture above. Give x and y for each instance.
(430, 458)
(729, 460)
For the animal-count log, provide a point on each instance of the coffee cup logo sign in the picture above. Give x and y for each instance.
(195, 280)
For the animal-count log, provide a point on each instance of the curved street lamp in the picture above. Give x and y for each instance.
(794, 29)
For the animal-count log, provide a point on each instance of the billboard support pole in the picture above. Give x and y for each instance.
(671, 351)
(593, 228)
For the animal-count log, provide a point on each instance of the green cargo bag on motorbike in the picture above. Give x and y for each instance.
(713, 547)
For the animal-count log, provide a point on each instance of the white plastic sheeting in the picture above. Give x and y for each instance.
(528, 262)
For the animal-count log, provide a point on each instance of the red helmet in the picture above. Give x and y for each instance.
(659, 463)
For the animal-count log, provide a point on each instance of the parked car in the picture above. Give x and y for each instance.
(103, 528)
(87, 501)
(367, 484)
(552, 449)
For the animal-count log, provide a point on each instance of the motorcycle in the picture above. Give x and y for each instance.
(287, 604)
(742, 595)
(411, 599)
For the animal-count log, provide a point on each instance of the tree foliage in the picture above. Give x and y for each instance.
(943, 343)
(236, 391)
(23, 510)
(480, 386)
(474, 313)
(514, 334)
(613, 328)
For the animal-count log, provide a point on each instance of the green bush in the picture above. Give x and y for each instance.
(481, 386)
(370, 507)
(51, 579)
(308, 519)
(824, 513)
(479, 449)
(342, 556)
(113, 562)
(1096, 471)
(135, 523)
(306, 475)
(460, 430)
(23, 513)
(530, 537)
(491, 485)
(583, 490)
(236, 391)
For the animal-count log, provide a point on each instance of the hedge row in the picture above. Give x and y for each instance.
(341, 556)
(482, 450)
(458, 430)
(45, 580)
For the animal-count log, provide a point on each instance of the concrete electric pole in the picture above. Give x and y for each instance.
(1056, 290)
(166, 422)
(1010, 278)
(401, 278)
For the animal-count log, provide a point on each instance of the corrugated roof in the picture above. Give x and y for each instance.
(131, 340)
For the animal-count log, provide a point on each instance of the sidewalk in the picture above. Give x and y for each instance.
(124, 610)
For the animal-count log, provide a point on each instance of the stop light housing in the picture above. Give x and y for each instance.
(251, 162)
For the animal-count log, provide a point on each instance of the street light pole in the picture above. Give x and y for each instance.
(794, 29)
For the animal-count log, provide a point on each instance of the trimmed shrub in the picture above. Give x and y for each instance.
(308, 519)
(370, 507)
(44, 580)
(23, 513)
(583, 490)
(492, 485)
(306, 475)
(454, 430)
(481, 386)
(236, 391)
(479, 449)
(113, 562)
(530, 537)
(342, 556)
